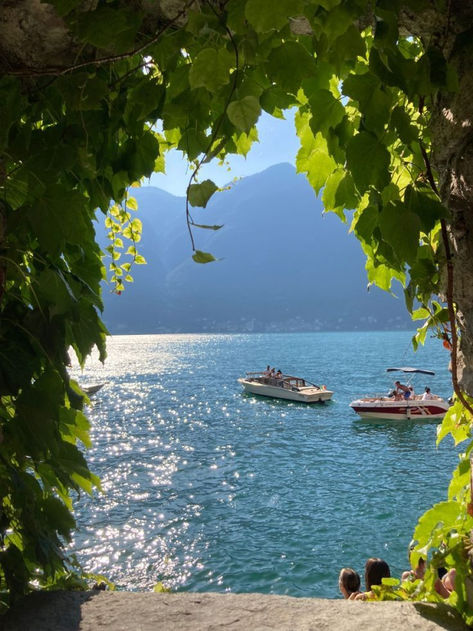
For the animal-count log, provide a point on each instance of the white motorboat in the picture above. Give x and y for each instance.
(396, 407)
(284, 387)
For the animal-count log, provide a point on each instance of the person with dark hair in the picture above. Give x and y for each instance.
(349, 583)
(402, 390)
(419, 571)
(426, 394)
(375, 570)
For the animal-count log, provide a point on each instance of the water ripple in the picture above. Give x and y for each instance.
(209, 489)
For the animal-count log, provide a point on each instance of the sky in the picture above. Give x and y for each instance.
(277, 143)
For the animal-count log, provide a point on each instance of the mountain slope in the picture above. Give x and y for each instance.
(283, 265)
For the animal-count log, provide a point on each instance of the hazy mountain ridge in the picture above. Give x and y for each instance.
(283, 265)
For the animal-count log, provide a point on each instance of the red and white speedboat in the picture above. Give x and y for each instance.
(394, 407)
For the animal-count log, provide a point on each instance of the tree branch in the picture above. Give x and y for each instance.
(449, 292)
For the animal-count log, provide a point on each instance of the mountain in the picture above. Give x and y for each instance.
(283, 265)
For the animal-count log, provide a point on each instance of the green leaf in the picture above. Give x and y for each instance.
(211, 69)
(108, 28)
(203, 257)
(391, 581)
(380, 275)
(141, 157)
(420, 314)
(402, 123)
(200, 225)
(244, 113)
(401, 229)
(441, 515)
(160, 588)
(274, 100)
(289, 64)
(244, 142)
(347, 48)
(365, 223)
(460, 481)
(199, 194)
(426, 205)
(266, 15)
(457, 422)
(368, 160)
(144, 101)
(339, 192)
(327, 111)
(375, 101)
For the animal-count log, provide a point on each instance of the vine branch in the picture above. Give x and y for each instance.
(213, 137)
(449, 292)
(30, 73)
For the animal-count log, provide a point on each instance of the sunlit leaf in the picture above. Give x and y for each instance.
(203, 257)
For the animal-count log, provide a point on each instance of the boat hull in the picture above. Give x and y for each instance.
(400, 410)
(308, 395)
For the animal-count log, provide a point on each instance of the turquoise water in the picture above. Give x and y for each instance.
(209, 489)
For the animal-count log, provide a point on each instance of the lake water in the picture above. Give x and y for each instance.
(209, 489)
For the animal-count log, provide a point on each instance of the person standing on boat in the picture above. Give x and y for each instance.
(402, 390)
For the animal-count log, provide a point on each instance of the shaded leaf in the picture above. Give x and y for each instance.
(199, 225)
(199, 194)
(368, 160)
(400, 228)
(266, 15)
(244, 113)
(211, 69)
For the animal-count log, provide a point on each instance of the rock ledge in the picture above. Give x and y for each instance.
(131, 611)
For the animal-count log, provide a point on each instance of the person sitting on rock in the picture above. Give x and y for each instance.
(446, 585)
(349, 583)
(418, 572)
(375, 570)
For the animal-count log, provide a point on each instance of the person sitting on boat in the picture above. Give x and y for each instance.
(349, 583)
(279, 374)
(426, 394)
(267, 372)
(402, 390)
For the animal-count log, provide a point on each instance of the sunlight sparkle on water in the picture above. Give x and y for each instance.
(205, 488)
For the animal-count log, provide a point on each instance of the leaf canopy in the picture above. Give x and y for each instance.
(76, 137)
